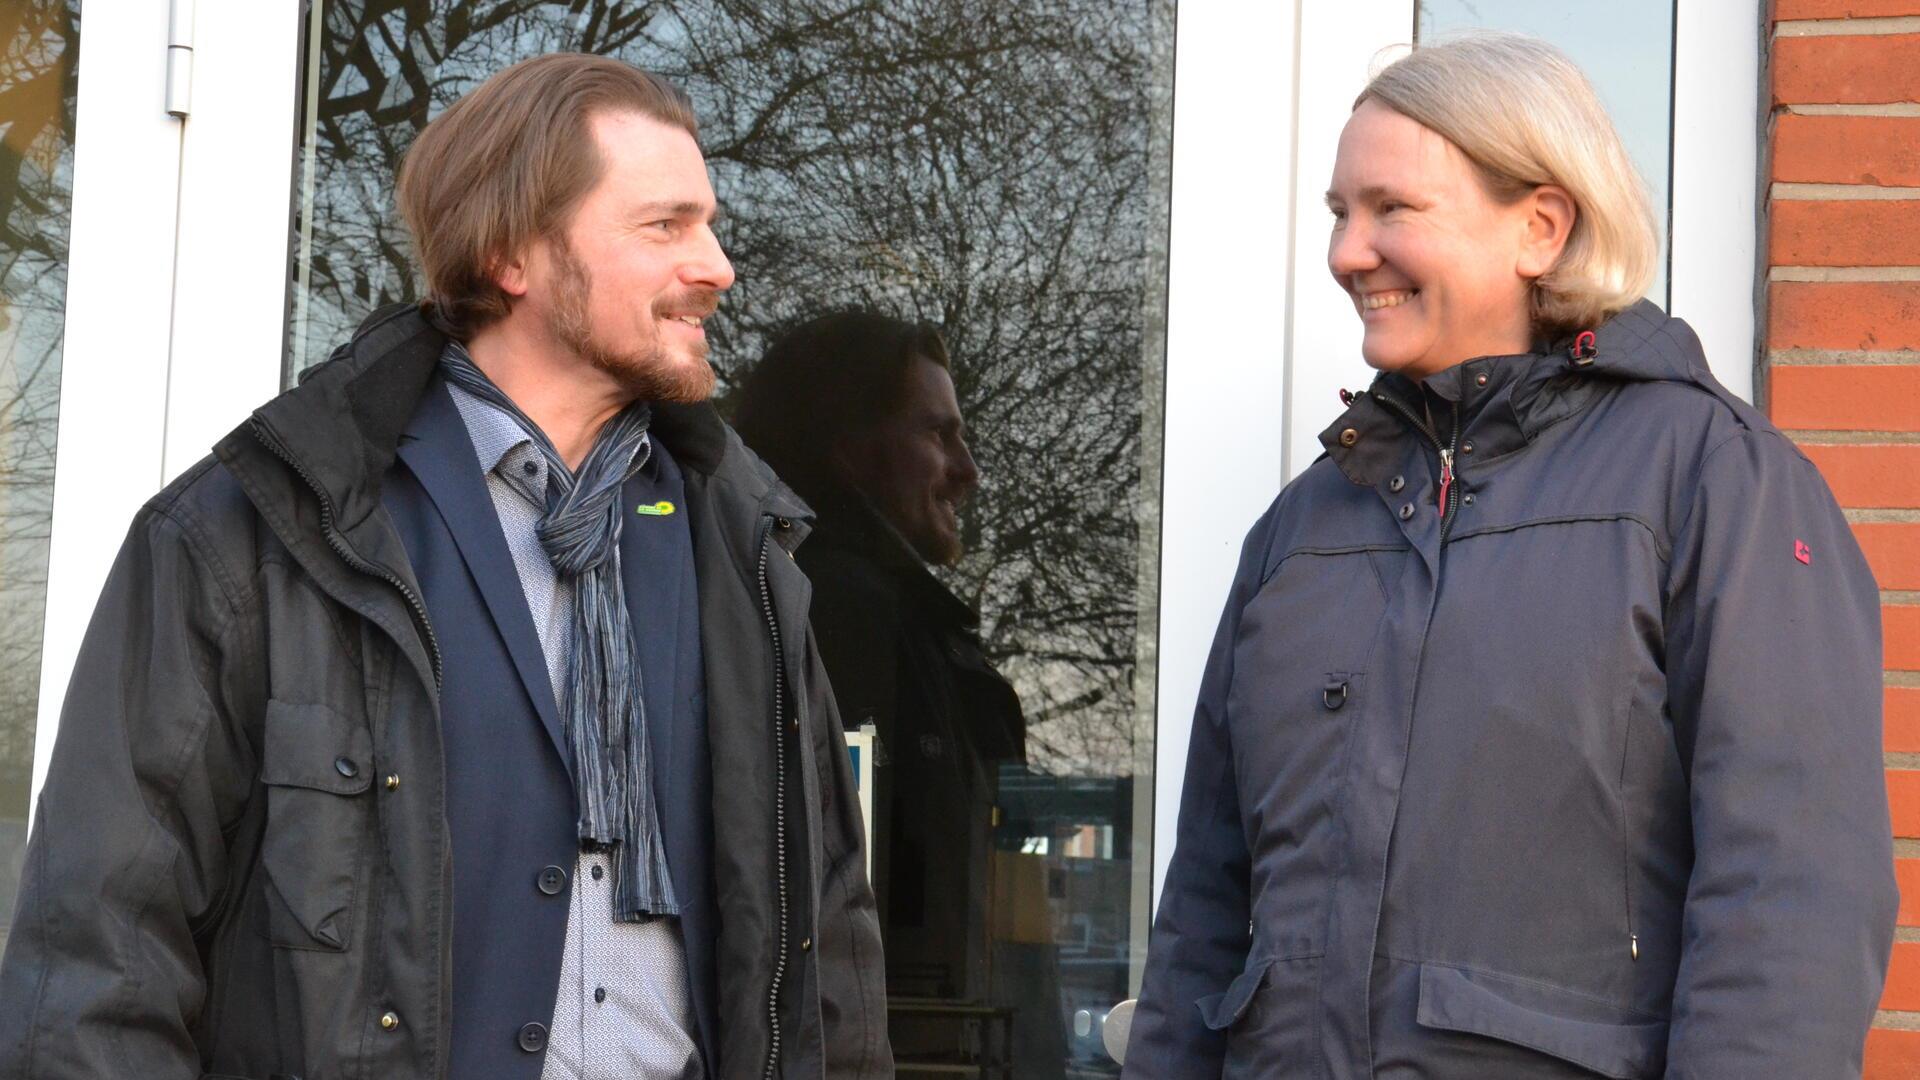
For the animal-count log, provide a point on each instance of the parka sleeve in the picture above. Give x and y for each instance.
(102, 975)
(1200, 932)
(1774, 693)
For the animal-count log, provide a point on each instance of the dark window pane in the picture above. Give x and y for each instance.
(997, 171)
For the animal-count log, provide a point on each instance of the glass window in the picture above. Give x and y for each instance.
(37, 88)
(1625, 47)
(988, 184)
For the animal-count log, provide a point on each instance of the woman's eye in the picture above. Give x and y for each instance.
(1339, 215)
(1390, 207)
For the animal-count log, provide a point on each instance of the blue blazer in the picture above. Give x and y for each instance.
(510, 803)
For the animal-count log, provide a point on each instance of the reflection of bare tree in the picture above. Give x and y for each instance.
(37, 86)
(985, 167)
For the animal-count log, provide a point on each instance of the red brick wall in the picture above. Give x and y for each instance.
(1842, 366)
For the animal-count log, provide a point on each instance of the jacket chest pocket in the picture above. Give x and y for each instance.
(318, 769)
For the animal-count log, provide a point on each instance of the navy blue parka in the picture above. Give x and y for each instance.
(1575, 771)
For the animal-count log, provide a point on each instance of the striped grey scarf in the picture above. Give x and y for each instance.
(603, 715)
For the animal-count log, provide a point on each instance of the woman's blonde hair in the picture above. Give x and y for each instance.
(1525, 115)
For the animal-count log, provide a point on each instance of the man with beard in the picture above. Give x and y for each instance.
(460, 716)
(857, 411)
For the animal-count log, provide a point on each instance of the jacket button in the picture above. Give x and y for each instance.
(1480, 379)
(1349, 436)
(1467, 447)
(1395, 484)
(782, 524)
(552, 880)
(393, 781)
(389, 1021)
(533, 1038)
(806, 944)
(1467, 499)
(345, 767)
(1406, 512)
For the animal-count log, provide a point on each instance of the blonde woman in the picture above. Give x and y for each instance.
(1541, 735)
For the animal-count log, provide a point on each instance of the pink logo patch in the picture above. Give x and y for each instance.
(1802, 552)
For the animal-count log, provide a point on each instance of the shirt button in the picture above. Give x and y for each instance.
(1406, 512)
(552, 880)
(529, 467)
(533, 1038)
(389, 1021)
(1396, 483)
(598, 872)
(599, 994)
(345, 767)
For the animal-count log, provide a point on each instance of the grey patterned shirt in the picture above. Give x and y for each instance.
(622, 1010)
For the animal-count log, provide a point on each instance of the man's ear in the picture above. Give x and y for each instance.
(511, 275)
(1550, 214)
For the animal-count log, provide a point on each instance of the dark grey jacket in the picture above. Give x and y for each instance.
(270, 578)
(1582, 778)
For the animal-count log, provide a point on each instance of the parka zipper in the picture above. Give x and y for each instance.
(1449, 494)
(779, 800)
(341, 548)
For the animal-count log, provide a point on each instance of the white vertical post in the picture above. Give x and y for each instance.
(1716, 163)
(230, 270)
(1225, 388)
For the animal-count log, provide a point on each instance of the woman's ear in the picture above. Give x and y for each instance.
(1550, 215)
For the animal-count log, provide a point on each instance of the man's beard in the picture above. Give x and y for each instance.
(651, 373)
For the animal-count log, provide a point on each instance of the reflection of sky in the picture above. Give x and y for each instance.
(1624, 46)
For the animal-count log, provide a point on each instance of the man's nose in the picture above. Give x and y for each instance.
(965, 471)
(708, 267)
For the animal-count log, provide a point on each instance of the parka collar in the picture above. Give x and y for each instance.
(341, 427)
(1507, 401)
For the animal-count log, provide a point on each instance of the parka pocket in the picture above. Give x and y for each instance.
(1269, 1014)
(317, 767)
(1577, 1029)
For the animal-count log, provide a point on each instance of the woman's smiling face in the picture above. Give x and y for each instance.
(1439, 271)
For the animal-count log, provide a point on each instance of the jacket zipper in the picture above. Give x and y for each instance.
(341, 548)
(779, 800)
(1449, 494)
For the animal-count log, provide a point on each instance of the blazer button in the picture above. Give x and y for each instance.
(552, 880)
(533, 1038)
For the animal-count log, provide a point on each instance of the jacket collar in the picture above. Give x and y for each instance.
(1508, 401)
(341, 427)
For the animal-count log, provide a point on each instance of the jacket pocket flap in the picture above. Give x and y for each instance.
(1571, 1027)
(316, 747)
(1219, 1011)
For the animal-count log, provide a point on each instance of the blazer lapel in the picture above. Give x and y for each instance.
(439, 451)
(650, 570)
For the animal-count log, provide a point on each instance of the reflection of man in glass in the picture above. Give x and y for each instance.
(857, 412)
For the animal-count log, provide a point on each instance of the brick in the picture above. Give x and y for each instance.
(1853, 315)
(1900, 629)
(1881, 150)
(1906, 874)
(1902, 716)
(1903, 978)
(1893, 550)
(1846, 69)
(1870, 476)
(1892, 1055)
(1846, 397)
(1903, 800)
(1880, 232)
(1843, 9)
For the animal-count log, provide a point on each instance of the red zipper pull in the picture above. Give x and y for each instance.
(1446, 477)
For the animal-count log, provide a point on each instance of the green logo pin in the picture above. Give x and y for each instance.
(658, 509)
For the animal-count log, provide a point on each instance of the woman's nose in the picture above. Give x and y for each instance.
(1350, 250)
